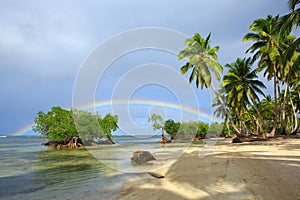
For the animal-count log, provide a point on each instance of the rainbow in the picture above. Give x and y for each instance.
(23, 131)
(28, 129)
(141, 102)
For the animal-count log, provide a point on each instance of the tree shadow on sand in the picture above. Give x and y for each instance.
(225, 175)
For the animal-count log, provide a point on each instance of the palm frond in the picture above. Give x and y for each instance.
(292, 4)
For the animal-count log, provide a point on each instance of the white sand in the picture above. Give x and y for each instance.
(258, 170)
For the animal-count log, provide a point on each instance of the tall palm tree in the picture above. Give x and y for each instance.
(287, 74)
(202, 60)
(287, 23)
(241, 84)
(265, 35)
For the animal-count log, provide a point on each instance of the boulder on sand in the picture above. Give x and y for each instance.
(141, 157)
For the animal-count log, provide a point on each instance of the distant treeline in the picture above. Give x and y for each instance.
(191, 129)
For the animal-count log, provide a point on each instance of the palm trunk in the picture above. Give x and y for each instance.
(296, 127)
(282, 109)
(226, 126)
(240, 123)
(258, 127)
(225, 109)
(259, 115)
(273, 132)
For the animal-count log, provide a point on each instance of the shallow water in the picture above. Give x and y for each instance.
(29, 170)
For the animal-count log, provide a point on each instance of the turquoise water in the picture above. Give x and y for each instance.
(29, 170)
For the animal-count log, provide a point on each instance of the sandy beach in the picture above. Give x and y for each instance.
(256, 170)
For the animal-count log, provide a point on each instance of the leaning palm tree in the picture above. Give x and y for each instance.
(202, 60)
(265, 35)
(242, 85)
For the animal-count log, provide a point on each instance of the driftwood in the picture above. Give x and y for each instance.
(156, 175)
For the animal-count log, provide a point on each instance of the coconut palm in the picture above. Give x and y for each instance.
(219, 111)
(266, 109)
(265, 35)
(242, 86)
(203, 61)
(292, 19)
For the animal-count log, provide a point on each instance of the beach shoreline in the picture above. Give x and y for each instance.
(255, 170)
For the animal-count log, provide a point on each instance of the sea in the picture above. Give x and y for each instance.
(29, 170)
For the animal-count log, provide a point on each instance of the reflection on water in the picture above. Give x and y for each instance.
(29, 170)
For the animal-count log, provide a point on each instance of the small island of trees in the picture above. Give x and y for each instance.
(75, 128)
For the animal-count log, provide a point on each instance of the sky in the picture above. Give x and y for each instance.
(44, 46)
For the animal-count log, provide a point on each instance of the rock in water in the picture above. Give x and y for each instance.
(140, 157)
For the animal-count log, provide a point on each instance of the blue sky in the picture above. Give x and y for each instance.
(44, 43)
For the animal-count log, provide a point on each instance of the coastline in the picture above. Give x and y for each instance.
(256, 170)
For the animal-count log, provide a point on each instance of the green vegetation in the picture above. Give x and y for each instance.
(192, 129)
(181, 130)
(171, 127)
(202, 60)
(157, 122)
(59, 124)
(241, 100)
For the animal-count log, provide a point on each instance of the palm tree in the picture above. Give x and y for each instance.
(292, 19)
(241, 84)
(219, 111)
(287, 23)
(265, 35)
(266, 109)
(202, 60)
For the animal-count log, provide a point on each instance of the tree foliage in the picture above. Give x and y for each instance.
(58, 124)
(109, 124)
(203, 62)
(193, 129)
(87, 125)
(157, 121)
(171, 127)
